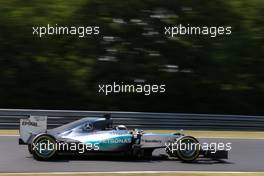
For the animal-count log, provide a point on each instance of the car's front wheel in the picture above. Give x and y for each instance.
(44, 147)
(188, 148)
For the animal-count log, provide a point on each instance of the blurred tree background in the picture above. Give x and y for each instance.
(223, 75)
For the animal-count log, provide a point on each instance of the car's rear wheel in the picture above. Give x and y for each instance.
(188, 148)
(147, 153)
(44, 147)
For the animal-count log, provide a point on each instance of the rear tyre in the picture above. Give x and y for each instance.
(188, 148)
(44, 147)
(147, 153)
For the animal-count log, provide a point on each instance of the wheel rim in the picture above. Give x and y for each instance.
(189, 150)
(45, 147)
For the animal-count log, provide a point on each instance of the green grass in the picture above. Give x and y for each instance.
(9, 132)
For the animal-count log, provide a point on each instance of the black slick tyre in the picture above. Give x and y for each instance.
(44, 147)
(188, 148)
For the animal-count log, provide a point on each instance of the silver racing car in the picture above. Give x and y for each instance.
(99, 136)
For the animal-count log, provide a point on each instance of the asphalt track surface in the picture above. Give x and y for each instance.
(246, 155)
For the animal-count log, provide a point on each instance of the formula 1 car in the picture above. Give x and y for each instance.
(98, 136)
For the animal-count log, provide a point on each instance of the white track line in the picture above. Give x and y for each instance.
(233, 137)
(135, 172)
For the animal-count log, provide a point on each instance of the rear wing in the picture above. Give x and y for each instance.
(30, 127)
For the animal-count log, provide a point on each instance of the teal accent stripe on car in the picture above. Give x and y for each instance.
(112, 143)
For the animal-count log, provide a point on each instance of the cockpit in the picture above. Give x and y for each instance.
(102, 124)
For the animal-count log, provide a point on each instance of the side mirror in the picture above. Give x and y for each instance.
(121, 127)
(139, 131)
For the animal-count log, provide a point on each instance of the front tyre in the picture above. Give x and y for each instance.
(188, 148)
(44, 147)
